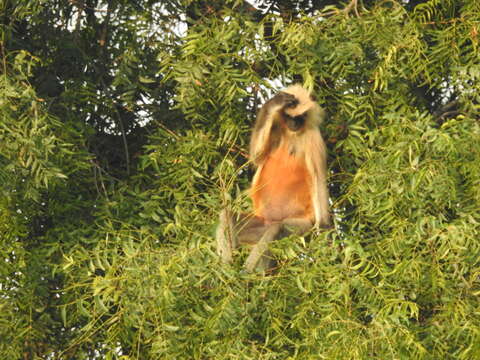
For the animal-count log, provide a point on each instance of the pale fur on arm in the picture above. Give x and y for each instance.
(260, 141)
(316, 161)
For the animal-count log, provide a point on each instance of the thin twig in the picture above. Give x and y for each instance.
(449, 110)
(4, 60)
(95, 180)
(96, 168)
(171, 132)
(352, 5)
(451, 21)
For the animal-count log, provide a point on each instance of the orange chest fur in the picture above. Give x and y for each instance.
(283, 188)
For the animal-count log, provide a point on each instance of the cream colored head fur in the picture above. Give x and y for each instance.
(305, 103)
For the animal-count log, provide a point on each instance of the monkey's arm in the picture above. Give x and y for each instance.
(322, 213)
(261, 142)
(316, 158)
(260, 257)
(233, 230)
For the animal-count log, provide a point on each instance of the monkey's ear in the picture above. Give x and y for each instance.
(313, 97)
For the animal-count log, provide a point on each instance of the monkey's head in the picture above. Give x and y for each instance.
(302, 111)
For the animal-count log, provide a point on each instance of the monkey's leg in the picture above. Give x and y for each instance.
(259, 256)
(250, 229)
(233, 230)
(225, 236)
(298, 226)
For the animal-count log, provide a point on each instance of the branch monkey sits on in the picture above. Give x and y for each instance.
(289, 189)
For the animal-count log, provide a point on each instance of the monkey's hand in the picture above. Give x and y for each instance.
(285, 100)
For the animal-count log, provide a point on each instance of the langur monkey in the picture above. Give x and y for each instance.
(289, 189)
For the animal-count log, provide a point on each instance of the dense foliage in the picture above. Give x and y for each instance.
(123, 127)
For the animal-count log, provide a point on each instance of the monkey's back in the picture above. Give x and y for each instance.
(282, 188)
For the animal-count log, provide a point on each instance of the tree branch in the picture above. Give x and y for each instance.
(447, 111)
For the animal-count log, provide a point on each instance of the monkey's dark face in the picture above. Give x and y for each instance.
(295, 123)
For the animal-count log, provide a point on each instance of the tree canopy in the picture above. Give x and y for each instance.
(123, 131)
